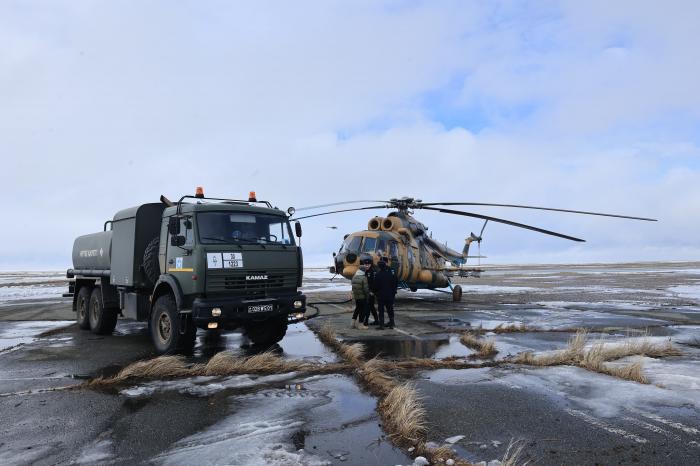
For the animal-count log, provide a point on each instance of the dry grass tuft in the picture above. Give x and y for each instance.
(327, 334)
(512, 328)
(594, 358)
(227, 363)
(513, 453)
(351, 353)
(221, 364)
(162, 367)
(372, 375)
(631, 372)
(403, 414)
(485, 348)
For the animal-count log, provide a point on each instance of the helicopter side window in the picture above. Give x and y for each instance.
(369, 244)
(424, 258)
(394, 249)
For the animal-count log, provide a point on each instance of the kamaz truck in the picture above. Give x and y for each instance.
(198, 263)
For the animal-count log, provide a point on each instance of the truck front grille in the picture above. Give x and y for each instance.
(235, 282)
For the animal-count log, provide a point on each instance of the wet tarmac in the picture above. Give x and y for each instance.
(563, 415)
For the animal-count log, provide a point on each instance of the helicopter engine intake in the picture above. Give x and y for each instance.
(391, 224)
(375, 223)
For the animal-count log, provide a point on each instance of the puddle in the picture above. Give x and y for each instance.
(21, 333)
(453, 348)
(298, 343)
(315, 423)
(301, 343)
(399, 349)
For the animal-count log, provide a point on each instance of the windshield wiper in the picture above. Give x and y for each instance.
(212, 238)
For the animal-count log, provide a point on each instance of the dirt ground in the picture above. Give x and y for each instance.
(563, 414)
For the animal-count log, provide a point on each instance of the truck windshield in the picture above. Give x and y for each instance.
(243, 228)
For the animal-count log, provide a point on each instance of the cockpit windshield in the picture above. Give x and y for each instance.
(243, 228)
(369, 244)
(351, 244)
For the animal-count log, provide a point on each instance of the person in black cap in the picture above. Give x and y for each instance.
(385, 283)
(370, 272)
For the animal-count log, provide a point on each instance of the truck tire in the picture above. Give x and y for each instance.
(165, 328)
(102, 320)
(151, 264)
(268, 332)
(82, 307)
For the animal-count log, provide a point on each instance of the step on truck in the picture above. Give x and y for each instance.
(201, 262)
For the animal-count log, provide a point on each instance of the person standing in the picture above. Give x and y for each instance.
(386, 284)
(370, 273)
(360, 291)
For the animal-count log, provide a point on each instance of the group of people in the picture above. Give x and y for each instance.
(370, 285)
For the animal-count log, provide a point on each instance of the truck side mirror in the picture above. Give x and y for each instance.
(174, 226)
(177, 240)
(297, 229)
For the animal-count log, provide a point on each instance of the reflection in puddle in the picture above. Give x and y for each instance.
(396, 349)
(298, 343)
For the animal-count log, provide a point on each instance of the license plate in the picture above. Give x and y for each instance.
(261, 308)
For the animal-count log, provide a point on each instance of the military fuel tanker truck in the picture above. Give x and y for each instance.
(198, 263)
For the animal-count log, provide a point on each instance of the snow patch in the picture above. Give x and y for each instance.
(202, 386)
(258, 432)
(686, 291)
(16, 293)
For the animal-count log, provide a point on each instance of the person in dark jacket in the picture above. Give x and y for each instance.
(360, 292)
(386, 283)
(370, 273)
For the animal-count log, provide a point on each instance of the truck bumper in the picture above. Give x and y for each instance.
(236, 311)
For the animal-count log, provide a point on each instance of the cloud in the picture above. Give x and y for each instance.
(588, 106)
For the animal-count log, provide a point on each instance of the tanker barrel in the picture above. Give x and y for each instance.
(92, 252)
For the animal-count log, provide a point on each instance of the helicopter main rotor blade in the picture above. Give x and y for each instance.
(338, 211)
(507, 222)
(334, 204)
(584, 212)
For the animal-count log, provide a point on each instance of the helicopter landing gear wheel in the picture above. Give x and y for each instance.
(457, 293)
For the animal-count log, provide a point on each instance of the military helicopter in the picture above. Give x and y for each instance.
(416, 258)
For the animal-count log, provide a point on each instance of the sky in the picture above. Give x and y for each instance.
(582, 105)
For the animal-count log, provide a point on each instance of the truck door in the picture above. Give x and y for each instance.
(179, 260)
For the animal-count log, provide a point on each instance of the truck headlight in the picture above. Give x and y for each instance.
(298, 304)
(216, 312)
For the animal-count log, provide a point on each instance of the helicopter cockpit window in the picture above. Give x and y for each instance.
(351, 244)
(381, 247)
(369, 244)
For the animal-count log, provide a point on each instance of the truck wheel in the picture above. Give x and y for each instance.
(82, 307)
(457, 293)
(165, 328)
(102, 320)
(151, 265)
(267, 332)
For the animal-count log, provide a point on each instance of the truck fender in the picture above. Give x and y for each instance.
(167, 284)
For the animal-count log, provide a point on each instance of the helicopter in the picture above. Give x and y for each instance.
(417, 260)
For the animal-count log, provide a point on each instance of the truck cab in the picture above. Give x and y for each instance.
(199, 263)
